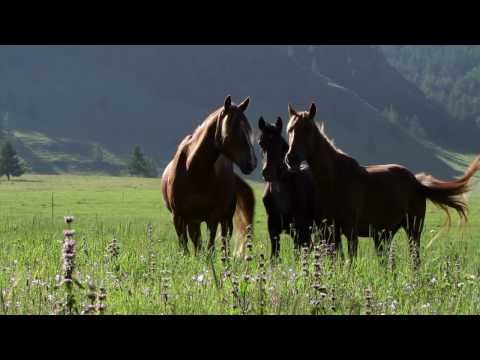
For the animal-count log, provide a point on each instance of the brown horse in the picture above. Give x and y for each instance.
(199, 184)
(369, 201)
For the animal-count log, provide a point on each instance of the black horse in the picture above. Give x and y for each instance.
(289, 197)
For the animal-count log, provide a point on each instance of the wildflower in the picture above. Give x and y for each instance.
(392, 265)
(333, 299)
(305, 261)
(38, 282)
(198, 278)
(426, 306)
(146, 291)
(409, 287)
(113, 249)
(68, 219)
(68, 258)
(235, 293)
(101, 308)
(68, 233)
(368, 300)
(393, 304)
(103, 294)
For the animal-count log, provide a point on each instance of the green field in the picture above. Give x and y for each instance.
(151, 276)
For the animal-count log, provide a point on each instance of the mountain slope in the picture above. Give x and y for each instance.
(448, 74)
(155, 95)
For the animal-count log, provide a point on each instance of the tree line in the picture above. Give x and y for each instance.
(448, 74)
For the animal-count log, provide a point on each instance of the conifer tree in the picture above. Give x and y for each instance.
(10, 164)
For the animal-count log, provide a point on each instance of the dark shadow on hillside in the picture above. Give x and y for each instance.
(22, 181)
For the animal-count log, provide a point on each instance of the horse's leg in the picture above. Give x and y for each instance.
(196, 236)
(380, 240)
(226, 230)
(295, 233)
(352, 236)
(414, 230)
(338, 249)
(181, 229)
(274, 230)
(212, 228)
(304, 238)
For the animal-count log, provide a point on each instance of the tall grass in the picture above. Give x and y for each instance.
(127, 258)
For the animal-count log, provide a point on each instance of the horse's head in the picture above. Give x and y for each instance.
(301, 129)
(234, 136)
(273, 149)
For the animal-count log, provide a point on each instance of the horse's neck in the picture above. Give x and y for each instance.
(202, 152)
(282, 167)
(324, 167)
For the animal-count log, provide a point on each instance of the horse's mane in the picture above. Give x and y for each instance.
(197, 133)
(328, 141)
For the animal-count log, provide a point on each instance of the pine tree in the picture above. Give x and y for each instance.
(140, 166)
(10, 164)
(98, 155)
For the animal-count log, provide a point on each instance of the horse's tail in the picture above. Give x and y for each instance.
(449, 194)
(244, 212)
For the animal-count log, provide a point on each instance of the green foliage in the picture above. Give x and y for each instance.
(10, 163)
(141, 166)
(449, 74)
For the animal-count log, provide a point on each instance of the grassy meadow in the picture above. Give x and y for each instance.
(144, 272)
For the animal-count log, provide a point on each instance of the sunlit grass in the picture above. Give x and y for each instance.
(151, 276)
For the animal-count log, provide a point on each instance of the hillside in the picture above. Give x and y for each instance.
(48, 155)
(448, 74)
(120, 96)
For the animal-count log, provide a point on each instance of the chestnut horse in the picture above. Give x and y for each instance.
(199, 184)
(289, 196)
(369, 201)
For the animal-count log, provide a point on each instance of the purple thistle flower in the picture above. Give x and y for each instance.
(68, 258)
(68, 233)
(68, 219)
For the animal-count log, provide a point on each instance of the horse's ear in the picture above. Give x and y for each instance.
(261, 124)
(312, 112)
(279, 124)
(228, 103)
(291, 110)
(244, 105)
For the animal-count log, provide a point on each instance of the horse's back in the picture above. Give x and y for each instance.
(388, 194)
(391, 175)
(375, 169)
